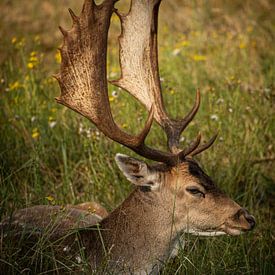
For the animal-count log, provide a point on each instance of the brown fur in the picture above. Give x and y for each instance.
(142, 232)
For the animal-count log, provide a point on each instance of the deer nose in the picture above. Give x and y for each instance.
(249, 218)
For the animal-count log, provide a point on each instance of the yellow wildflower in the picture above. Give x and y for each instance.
(124, 125)
(183, 43)
(14, 86)
(57, 57)
(197, 57)
(242, 45)
(13, 40)
(50, 198)
(33, 60)
(30, 65)
(35, 133)
(111, 98)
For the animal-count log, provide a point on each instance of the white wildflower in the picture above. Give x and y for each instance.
(182, 139)
(80, 129)
(78, 259)
(113, 74)
(97, 133)
(220, 101)
(214, 117)
(176, 52)
(88, 133)
(114, 93)
(52, 124)
(66, 248)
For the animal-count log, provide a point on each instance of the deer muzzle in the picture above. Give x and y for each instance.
(247, 220)
(240, 222)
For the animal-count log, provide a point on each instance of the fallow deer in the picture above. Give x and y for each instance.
(173, 196)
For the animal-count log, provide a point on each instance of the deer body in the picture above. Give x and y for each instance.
(142, 233)
(137, 236)
(172, 197)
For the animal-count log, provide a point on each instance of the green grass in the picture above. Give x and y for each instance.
(226, 49)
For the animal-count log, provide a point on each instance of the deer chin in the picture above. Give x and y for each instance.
(231, 230)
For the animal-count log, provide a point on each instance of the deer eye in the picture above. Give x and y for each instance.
(195, 192)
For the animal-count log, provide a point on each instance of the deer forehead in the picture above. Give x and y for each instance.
(183, 173)
(189, 173)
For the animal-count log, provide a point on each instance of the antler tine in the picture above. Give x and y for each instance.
(203, 147)
(174, 128)
(187, 151)
(188, 118)
(83, 79)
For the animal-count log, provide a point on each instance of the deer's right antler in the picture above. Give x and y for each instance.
(140, 72)
(83, 77)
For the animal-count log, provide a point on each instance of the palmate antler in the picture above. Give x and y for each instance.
(83, 78)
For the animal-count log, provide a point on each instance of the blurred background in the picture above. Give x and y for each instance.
(50, 155)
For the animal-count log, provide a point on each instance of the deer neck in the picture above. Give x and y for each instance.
(139, 232)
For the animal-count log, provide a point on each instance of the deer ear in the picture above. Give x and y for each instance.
(137, 172)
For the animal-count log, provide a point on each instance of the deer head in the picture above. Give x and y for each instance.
(194, 201)
(176, 184)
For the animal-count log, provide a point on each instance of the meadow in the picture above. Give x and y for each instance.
(51, 155)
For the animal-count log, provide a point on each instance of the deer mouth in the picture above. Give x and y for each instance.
(206, 233)
(233, 230)
(224, 229)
